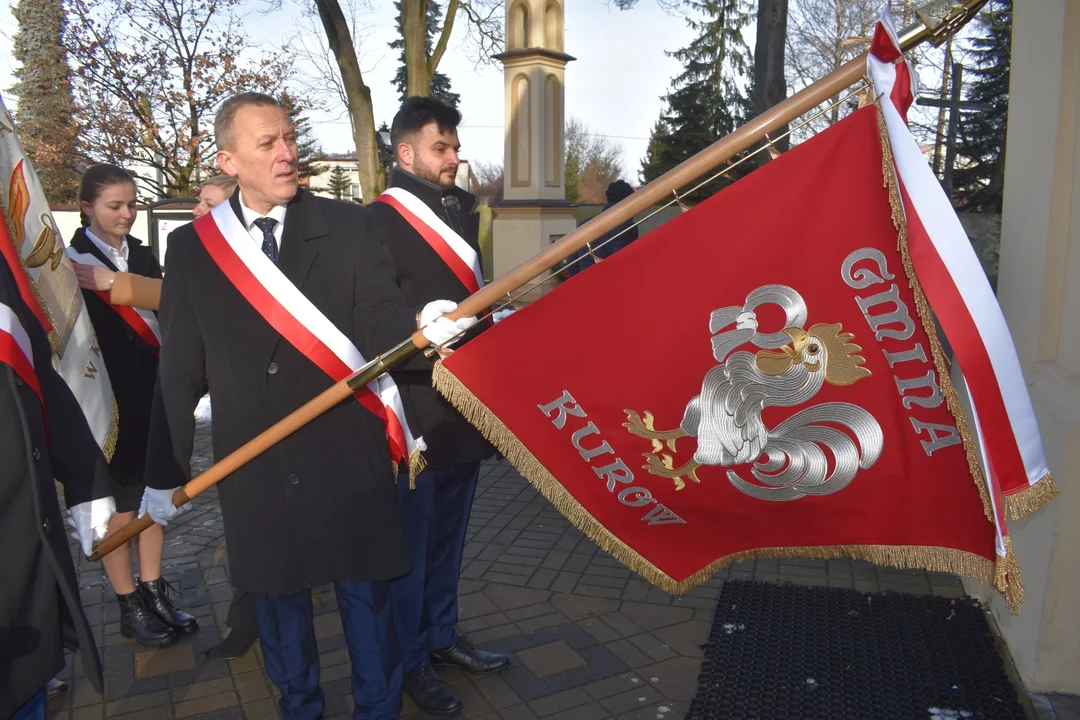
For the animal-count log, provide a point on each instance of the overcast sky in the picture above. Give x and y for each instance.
(614, 86)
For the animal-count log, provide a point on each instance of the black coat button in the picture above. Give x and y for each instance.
(294, 479)
(272, 369)
(18, 381)
(37, 454)
(45, 524)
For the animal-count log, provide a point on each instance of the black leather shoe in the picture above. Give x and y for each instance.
(138, 620)
(157, 595)
(463, 655)
(431, 694)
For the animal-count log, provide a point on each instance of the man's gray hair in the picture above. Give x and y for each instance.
(227, 113)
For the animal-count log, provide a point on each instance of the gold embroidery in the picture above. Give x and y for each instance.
(909, 557)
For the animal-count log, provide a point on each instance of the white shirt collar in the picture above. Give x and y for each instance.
(250, 216)
(108, 249)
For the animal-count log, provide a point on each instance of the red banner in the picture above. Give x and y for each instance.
(758, 376)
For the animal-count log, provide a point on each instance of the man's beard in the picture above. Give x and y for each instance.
(433, 175)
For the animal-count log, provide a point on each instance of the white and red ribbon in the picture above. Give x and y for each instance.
(302, 324)
(16, 351)
(451, 247)
(144, 322)
(959, 293)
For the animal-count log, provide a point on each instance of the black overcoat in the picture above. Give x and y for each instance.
(423, 276)
(319, 506)
(40, 610)
(130, 360)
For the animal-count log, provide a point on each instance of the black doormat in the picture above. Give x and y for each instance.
(786, 652)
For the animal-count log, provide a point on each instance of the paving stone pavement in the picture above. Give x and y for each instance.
(590, 639)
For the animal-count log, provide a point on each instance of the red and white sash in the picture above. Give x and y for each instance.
(302, 324)
(143, 322)
(15, 350)
(450, 246)
(960, 295)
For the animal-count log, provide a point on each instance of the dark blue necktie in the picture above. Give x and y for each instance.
(269, 245)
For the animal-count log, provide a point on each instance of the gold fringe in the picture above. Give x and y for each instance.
(109, 448)
(417, 463)
(922, 306)
(1021, 504)
(1007, 578)
(933, 559)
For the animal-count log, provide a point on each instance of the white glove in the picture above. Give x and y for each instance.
(439, 329)
(92, 521)
(159, 504)
(499, 315)
(434, 309)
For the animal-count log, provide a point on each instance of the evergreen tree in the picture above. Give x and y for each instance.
(339, 183)
(46, 112)
(978, 181)
(440, 83)
(713, 95)
(307, 147)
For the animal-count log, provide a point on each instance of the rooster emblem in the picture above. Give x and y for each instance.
(790, 459)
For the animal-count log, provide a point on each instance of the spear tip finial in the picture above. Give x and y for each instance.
(939, 20)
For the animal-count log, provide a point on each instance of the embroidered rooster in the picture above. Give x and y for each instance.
(790, 462)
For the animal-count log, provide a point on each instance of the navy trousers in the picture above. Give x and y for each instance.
(287, 634)
(425, 601)
(33, 709)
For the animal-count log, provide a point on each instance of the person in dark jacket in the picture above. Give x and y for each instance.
(611, 242)
(436, 512)
(43, 435)
(319, 506)
(130, 350)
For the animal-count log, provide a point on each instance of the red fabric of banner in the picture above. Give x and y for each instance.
(638, 333)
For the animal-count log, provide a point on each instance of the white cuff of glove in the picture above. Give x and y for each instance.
(444, 331)
(159, 505)
(92, 521)
(500, 315)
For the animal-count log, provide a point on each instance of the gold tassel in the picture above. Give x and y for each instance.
(926, 317)
(912, 557)
(1024, 503)
(1007, 579)
(417, 463)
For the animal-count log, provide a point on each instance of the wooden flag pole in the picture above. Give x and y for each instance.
(936, 22)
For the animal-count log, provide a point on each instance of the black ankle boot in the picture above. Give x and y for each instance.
(157, 595)
(138, 620)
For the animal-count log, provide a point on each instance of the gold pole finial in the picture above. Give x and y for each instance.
(939, 20)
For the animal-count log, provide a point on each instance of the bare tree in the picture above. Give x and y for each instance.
(593, 161)
(770, 83)
(483, 26)
(484, 31)
(486, 172)
(823, 35)
(148, 77)
(357, 95)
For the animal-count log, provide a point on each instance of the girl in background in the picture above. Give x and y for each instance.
(130, 353)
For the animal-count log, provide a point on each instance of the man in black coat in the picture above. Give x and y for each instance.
(319, 507)
(430, 227)
(43, 435)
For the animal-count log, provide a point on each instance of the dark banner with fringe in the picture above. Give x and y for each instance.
(759, 376)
